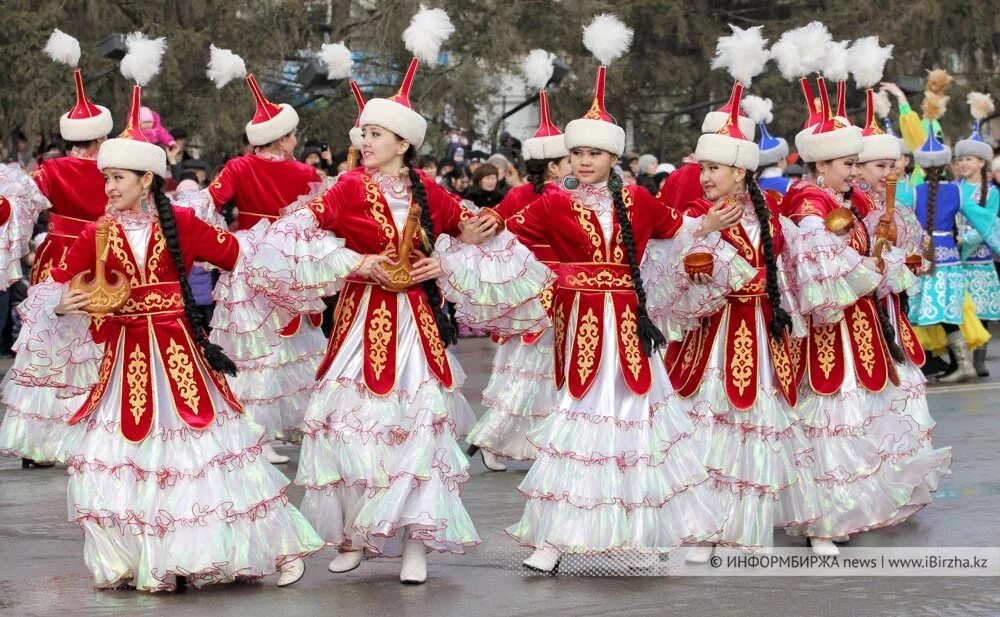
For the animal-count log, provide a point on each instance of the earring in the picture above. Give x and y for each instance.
(615, 184)
(820, 181)
(571, 183)
(145, 204)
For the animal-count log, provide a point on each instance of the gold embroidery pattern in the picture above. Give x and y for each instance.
(586, 344)
(824, 336)
(546, 299)
(808, 209)
(116, 242)
(152, 301)
(690, 348)
(346, 317)
(904, 333)
(628, 333)
(318, 206)
(618, 255)
(862, 330)
(604, 280)
(182, 372)
(782, 364)
(560, 333)
(583, 218)
(594, 113)
(736, 238)
(159, 244)
(429, 328)
(741, 365)
(795, 351)
(379, 335)
(372, 196)
(138, 380)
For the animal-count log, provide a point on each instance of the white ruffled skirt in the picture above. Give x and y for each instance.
(377, 469)
(759, 458)
(201, 504)
(520, 395)
(860, 486)
(616, 470)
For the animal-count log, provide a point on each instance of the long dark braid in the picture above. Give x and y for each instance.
(888, 331)
(217, 359)
(536, 172)
(445, 324)
(650, 336)
(933, 181)
(984, 188)
(780, 320)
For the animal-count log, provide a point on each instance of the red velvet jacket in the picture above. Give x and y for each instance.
(260, 187)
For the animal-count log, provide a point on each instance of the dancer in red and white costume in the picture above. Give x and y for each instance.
(380, 461)
(166, 478)
(72, 189)
(851, 356)
(615, 468)
(735, 366)
(277, 357)
(522, 391)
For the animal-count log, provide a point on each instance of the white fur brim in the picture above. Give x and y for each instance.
(775, 154)
(831, 145)
(715, 120)
(539, 148)
(799, 140)
(86, 129)
(879, 147)
(935, 158)
(587, 133)
(397, 118)
(263, 133)
(727, 150)
(970, 147)
(357, 139)
(131, 154)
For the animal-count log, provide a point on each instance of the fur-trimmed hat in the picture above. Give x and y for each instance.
(608, 39)
(548, 142)
(427, 31)
(131, 149)
(981, 106)
(85, 121)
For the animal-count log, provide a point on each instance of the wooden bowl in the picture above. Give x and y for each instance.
(915, 263)
(840, 221)
(699, 263)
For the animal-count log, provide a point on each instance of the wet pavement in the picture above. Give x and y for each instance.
(42, 571)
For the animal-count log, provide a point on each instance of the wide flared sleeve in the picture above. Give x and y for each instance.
(830, 275)
(23, 200)
(495, 286)
(984, 225)
(297, 263)
(200, 202)
(54, 351)
(674, 301)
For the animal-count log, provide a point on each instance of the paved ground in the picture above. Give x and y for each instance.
(42, 571)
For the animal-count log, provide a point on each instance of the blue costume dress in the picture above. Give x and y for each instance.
(981, 278)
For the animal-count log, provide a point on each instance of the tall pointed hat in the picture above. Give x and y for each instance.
(428, 30)
(548, 141)
(85, 121)
(867, 61)
(131, 149)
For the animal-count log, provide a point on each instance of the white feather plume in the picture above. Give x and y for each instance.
(981, 105)
(607, 37)
(867, 61)
(758, 109)
(337, 59)
(224, 66)
(836, 67)
(143, 60)
(537, 68)
(428, 30)
(801, 51)
(63, 48)
(744, 53)
(882, 104)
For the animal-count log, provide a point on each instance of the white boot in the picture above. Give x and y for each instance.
(271, 456)
(492, 461)
(346, 561)
(840, 539)
(292, 572)
(824, 546)
(544, 559)
(700, 553)
(414, 570)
